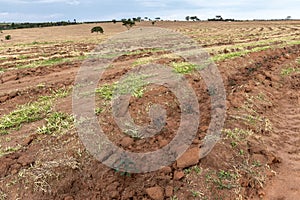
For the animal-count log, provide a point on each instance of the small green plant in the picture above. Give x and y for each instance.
(97, 29)
(256, 163)
(183, 67)
(98, 111)
(8, 37)
(9, 150)
(197, 170)
(289, 71)
(174, 198)
(56, 123)
(24, 114)
(3, 196)
(106, 91)
(195, 193)
(237, 134)
(50, 62)
(133, 84)
(30, 112)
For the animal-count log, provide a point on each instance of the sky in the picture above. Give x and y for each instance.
(88, 10)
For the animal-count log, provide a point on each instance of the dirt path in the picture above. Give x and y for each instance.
(286, 129)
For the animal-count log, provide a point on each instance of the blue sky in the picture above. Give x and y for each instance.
(88, 10)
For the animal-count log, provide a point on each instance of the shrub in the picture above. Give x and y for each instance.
(97, 29)
(128, 23)
(8, 37)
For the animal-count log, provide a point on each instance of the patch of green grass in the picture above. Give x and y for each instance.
(106, 91)
(24, 114)
(3, 196)
(298, 60)
(289, 71)
(222, 57)
(9, 150)
(133, 84)
(30, 112)
(295, 42)
(237, 134)
(183, 67)
(232, 55)
(50, 62)
(2, 58)
(195, 193)
(222, 179)
(57, 123)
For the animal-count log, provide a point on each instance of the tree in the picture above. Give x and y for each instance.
(97, 29)
(194, 18)
(289, 17)
(157, 18)
(153, 23)
(187, 18)
(114, 21)
(219, 18)
(139, 19)
(8, 37)
(128, 23)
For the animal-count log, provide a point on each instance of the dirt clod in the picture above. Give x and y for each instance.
(156, 193)
(189, 158)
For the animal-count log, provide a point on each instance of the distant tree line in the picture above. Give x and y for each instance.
(9, 26)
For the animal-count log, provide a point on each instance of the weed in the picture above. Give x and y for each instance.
(106, 91)
(222, 179)
(24, 114)
(56, 123)
(195, 193)
(289, 71)
(9, 150)
(3, 196)
(197, 170)
(222, 57)
(133, 84)
(237, 134)
(241, 152)
(232, 55)
(187, 171)
(98, 111)
(253, 173)
(183, 67)
(257, 164)
(174, 198)
(30, 112)
(51, 62)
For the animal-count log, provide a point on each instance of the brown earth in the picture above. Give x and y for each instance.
(260, 99)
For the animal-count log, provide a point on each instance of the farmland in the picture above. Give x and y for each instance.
(42, 156)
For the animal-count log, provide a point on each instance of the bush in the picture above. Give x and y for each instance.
(128, 23)
(8, 37)
(97, 29)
